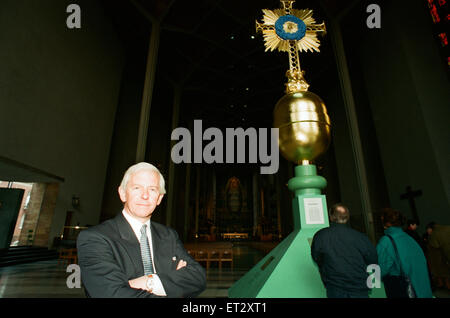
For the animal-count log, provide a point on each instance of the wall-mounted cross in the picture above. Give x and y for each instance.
(410, 195)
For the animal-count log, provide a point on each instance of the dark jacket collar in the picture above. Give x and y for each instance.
(133, 247)
(130, 242)
(334, 224)
(393, 230)
(125, 229)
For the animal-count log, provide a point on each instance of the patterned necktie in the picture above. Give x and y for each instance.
(145, 251)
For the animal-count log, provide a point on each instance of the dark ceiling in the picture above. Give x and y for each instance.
(211, 49)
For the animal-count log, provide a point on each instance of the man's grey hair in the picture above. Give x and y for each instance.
(339, 213)
(140, 167)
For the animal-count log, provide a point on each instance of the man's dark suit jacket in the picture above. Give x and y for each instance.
(109, 256)
(343, 255)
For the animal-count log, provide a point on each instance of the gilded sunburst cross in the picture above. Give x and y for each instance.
(291, 30)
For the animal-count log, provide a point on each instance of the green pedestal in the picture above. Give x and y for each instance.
(288, 271)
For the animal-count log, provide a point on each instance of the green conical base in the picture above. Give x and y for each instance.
(289, 271)
(286, 272)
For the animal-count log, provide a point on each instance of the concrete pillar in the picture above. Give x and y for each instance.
(349, 103)
(255, 202)
(171, 181)
(197, 199)
(147, 95)
(187, 189)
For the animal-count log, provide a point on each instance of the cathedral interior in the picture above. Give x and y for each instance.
(81, 105)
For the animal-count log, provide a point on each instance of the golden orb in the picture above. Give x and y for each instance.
(304, 126)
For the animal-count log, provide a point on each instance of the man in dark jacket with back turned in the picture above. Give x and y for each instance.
(343, 255)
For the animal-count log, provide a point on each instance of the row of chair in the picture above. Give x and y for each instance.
(68, 255)
(201, 253)
(211, 253)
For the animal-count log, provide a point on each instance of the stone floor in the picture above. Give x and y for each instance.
(47, 279)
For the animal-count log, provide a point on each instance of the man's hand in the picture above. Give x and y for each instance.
(139, 283)
(181, 264)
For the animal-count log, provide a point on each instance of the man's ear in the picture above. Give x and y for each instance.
(122, 194)
(159, 199)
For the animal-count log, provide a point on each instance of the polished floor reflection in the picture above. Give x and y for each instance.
(44, 279)
(48, 279)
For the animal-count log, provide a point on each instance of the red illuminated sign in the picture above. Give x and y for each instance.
(440, 17)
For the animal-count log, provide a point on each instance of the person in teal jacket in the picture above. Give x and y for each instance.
(412, 259)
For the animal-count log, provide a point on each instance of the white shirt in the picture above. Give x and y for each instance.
(136, 225)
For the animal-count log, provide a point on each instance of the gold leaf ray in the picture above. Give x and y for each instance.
(269, 17)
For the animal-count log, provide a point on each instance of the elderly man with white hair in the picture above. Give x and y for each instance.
(131, 256)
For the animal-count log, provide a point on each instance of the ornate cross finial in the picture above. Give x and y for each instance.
(291, 31)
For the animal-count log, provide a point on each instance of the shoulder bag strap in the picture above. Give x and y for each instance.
(396, 254)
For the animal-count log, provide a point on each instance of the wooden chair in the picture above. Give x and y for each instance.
(68, 255)
(214, 256)
(226, 256)
(202, 256)
(210, 252)
(191, 252)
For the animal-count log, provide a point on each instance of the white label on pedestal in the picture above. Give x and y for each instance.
(313, 210)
